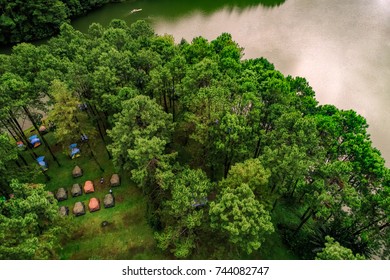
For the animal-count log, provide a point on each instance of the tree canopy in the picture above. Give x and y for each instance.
(31, 20)
(219, 145)
(30, 225)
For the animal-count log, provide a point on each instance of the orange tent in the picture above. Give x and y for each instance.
(88, 187)
(94, 204)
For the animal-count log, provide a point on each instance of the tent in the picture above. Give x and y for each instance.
(78, 209)
(43, 164)
(64, 210)
(115, 180)
(74, 151)
(77, 172)
(109, 200)
(21, 145)
(84, 138)
(61, 194)
(43, 129)
(76, 190)
(88, 187)
(34, 141)
(94, 204)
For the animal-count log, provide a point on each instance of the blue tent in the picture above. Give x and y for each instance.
(35, 141)
(74, 151)
(41, 161)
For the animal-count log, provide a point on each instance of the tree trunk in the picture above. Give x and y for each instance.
(165, 102)
(17, 128)
(104, 141)
(257, 150)
(274, 205)
(304, 221)
(23, 159)
(46, 176)
(304, 214)
(95, 112)
(40, 134)
(94, 157)
(384, 226)
(226, 166)
(20, 133)
(173, 100)
(367, 226)
(104, 121)
(273, 188)
(294, 187)
(9, 131)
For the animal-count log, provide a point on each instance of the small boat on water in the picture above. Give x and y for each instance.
(135, 11)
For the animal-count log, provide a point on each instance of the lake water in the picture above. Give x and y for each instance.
(341, 47)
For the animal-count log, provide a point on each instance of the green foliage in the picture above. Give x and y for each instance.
(141, 131)
(241, 217)
(30, 225)
(11, 167)
(179, 117)
(334, 251)
(69, 121)
(252, 173)
(31, 20)
(183, 214)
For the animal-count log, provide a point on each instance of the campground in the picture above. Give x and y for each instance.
(126, 236)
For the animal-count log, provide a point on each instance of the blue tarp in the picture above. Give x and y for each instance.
(74, 151)
(34, 140)
(41, 161)
(42, 158)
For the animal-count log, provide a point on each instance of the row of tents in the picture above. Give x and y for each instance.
(35, 141)
(79, 208)
(62, 193)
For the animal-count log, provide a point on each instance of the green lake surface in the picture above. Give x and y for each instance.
(341, 47)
